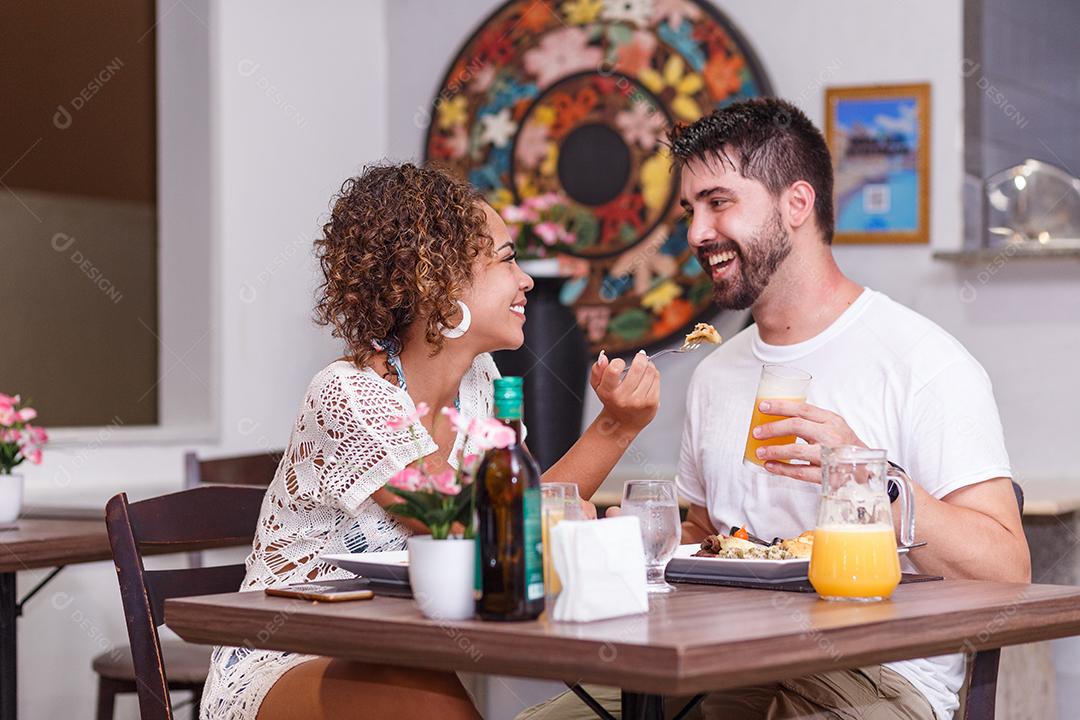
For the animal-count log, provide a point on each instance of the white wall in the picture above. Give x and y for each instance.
(1020, 319)
(297, 96)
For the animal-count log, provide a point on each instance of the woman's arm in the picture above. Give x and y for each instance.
(630, 404)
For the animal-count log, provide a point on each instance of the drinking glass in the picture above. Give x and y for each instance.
(558, 502)
(778, 382)
(656, 506)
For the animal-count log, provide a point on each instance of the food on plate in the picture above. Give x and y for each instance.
(703, 332)
(739, 548)
(801, 546)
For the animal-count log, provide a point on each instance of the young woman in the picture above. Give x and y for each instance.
(421, 284)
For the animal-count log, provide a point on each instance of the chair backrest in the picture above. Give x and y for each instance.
(981, 698)
(195, 519)
(256, 469)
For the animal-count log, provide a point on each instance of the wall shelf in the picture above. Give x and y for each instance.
(985, 255)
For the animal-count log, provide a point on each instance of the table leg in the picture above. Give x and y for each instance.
(9, 610)
(642, 706)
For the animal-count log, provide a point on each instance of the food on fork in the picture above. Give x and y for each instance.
(704, 332)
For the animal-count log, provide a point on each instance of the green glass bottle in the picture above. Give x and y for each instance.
(511, 576)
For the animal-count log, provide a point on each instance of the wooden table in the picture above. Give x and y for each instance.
(40, 542)
(684, 646)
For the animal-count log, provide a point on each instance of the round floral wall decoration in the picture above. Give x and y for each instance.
(564, 106)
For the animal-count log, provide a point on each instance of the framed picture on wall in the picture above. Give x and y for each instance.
(879, 137)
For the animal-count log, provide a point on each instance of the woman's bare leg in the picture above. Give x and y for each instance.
(326, 689)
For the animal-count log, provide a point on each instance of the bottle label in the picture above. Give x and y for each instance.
(478, 579)
(534, 548)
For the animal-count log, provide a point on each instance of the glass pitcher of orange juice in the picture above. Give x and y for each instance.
(854, 555)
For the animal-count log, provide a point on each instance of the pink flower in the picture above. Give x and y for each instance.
(409, 479)
(490, 433)
(446, 483)
(9, 436)
(561, 53)
(38, 436)
(543, 202)
(33, 455)
(461, 423)
(27, 414)
(549, 232)
(8, 415)
(399, 423)
(519, 214)
(8, 400)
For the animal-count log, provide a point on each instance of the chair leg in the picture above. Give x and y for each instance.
(106, 697)
(196, 701)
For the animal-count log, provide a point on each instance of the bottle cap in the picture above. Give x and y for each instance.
(509, 398)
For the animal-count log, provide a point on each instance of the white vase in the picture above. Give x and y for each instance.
(442, 574)
(11, 492)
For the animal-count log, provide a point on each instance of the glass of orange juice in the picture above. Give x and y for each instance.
(854, 555)
(558, 502)
(778, 382)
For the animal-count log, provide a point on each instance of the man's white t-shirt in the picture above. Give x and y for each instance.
(899, 381)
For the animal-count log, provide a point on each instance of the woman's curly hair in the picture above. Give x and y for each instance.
(400, 244)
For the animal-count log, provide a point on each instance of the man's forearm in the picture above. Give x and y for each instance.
(962, 542)
(593, 456)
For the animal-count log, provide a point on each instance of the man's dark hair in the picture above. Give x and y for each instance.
(765, 139)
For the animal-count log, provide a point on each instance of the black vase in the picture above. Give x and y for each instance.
(554, 363)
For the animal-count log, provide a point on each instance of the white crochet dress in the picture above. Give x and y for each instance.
(319, 502)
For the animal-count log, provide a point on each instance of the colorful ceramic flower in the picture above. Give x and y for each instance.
(498, 128)
(682, 40)
(674, 12)
(561, 53)
(582, 12)
(685, 84)
(661, 296)
(634, 56)
(641, 124)
(656, 180)
(483, 79)
(637, 12)
(452, 111)
(723, 75)
(532, 145)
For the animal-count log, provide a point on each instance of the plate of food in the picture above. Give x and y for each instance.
(390, 566)
(737, 557)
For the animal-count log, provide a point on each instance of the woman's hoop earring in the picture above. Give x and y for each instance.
(462, 327)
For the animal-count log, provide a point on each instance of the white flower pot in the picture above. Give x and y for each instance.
(442, 573)
(11, 493)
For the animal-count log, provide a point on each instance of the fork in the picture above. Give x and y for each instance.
(685, 348)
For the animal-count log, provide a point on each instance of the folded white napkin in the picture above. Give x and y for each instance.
(601, 564)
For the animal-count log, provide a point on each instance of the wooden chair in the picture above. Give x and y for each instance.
(981, 686)
(187, 663)
(257, 469)
(195, 519)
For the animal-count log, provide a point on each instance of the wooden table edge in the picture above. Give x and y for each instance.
(671, 670)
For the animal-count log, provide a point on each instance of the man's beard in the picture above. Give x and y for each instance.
(758, 261)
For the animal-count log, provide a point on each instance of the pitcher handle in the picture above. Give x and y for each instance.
(907, 504)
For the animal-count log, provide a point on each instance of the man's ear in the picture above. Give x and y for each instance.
(797, 203)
